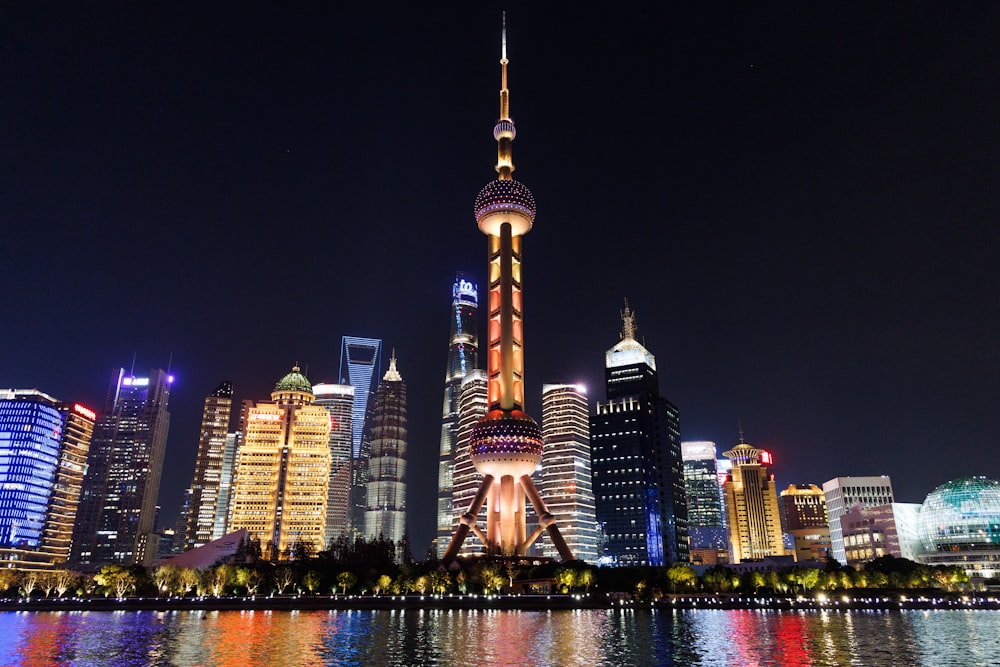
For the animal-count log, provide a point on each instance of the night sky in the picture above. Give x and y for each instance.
(800, 203)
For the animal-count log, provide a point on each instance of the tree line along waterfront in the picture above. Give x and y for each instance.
(371, 570)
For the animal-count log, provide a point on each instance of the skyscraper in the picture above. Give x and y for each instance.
(752, 505)
(636, 458)
(803, 513)
(283, 471)
(386, 513)
(473, 404)
(360, 358)
(118, 502)
(506, 444)
(706, 518)
(43, 452)
(204, 500)
(844, 492)
(229, 449)
(463, 356)
(566, 480)
(338, 400)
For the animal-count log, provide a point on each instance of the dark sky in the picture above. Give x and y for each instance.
(800, 203)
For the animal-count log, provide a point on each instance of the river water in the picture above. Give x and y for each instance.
(436, 637)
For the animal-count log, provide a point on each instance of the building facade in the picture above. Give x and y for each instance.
(360, 360)
(566, 482)
(473, 404)
(638, 471)
(283, 471)
(752, 506)
(338, 401)
(203, 507)
(116, 519)
(842, 493)
(386, 497)
(803, 512)
(709, 539)
(43, 453)
(463, 356)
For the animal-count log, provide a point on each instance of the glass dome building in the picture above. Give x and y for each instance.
(960, 525)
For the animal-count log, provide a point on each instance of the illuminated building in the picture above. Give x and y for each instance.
(473, 404)
(463, 356)
(338, 400)
(117, 513)
(283, 471)
(842, 493)
(204, 500)
(636, 457)
(43, 454)
(360, 358)
(229, 449)
(752, 505)
(506, 444)
(709, 540)
(959, 524)
(386, 513)
(566, 480)
(803, 512)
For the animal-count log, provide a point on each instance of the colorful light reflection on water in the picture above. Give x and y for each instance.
(435, 637)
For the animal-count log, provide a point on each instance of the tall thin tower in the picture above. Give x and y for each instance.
(463, 357)
(208, 466)
(386, 497)
(506, 444)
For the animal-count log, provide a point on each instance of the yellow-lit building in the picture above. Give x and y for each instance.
(752, 506)
(283, 471)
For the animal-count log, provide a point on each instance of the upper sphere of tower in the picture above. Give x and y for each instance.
(505, 201)
(506, 443)
(504, 129)
(294, 381)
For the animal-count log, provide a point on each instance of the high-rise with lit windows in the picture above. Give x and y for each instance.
(636, 458)
(204, 499)
(706, 517)
(360, 360)
(566, 482)
(463, 357)
(43, 454)
(117, 514)
(283, 471)
(385, 516)
(803, 514)
(338, 400)
(473, 403)
(752, 505)
(842, 493)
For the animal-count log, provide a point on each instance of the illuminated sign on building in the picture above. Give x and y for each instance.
(765, 457)
(465, 288)
(86, 412)
(266, 416)
(135, 382)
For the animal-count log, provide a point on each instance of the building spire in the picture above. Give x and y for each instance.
(628, 322)
(504, 131)
(392, 375)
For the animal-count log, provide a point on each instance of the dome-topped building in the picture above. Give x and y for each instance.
(959, 524)
(293, 389)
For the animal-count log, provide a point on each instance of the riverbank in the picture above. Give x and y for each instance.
(872, 601)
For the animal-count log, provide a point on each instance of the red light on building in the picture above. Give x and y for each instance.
(765, 457)
(86, 412)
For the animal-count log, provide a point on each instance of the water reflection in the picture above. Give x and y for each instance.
(441, 637)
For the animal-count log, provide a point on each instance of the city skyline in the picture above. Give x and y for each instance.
(811, 198)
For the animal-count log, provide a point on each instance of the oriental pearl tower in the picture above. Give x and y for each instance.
(506, 444)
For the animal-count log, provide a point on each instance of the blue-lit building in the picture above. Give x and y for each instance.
(117, 513)
(463, 356)
(43, 447)
(959, 524)
(360, 360)
(638, 475)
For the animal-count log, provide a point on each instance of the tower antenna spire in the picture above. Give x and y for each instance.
(504, 131)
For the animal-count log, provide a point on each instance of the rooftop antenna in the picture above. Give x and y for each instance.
(132, 372)
(740, 422)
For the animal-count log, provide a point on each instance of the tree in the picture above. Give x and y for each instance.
(64, 579)
(47, 582)
(311, 581)
(115, 577)
(8, 578)
(422, 583)
(284, 577)
(680, 575)
(187, 579)
(565, 579)
(221, 576)
(29, 582)
(382, 584)
(439, 581)
(164, 578)
(248, 577)
(346, 581)
(586, 578)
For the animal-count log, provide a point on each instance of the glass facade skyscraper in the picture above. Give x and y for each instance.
(385, 515)
(204, 499)
(472, 405)
(115, 522)
(566, 480)
(706, 517)
(338, 400)
(360, 360)
(636, 457)
(463, 356)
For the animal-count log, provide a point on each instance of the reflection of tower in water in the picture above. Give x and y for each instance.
(506, 444)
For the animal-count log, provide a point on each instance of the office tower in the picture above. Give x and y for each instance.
(360, 358)
(43, 452)
(752, 505)
(566, 479)
(229, 449)
(283, 471)
(338, 401)
(842, 493)
(386, 498)
(506, 444)
(473, 404)
(636, 457)
(803, 513)
(709, 541)
(463, 356)
(204, 500)
(116, 519)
